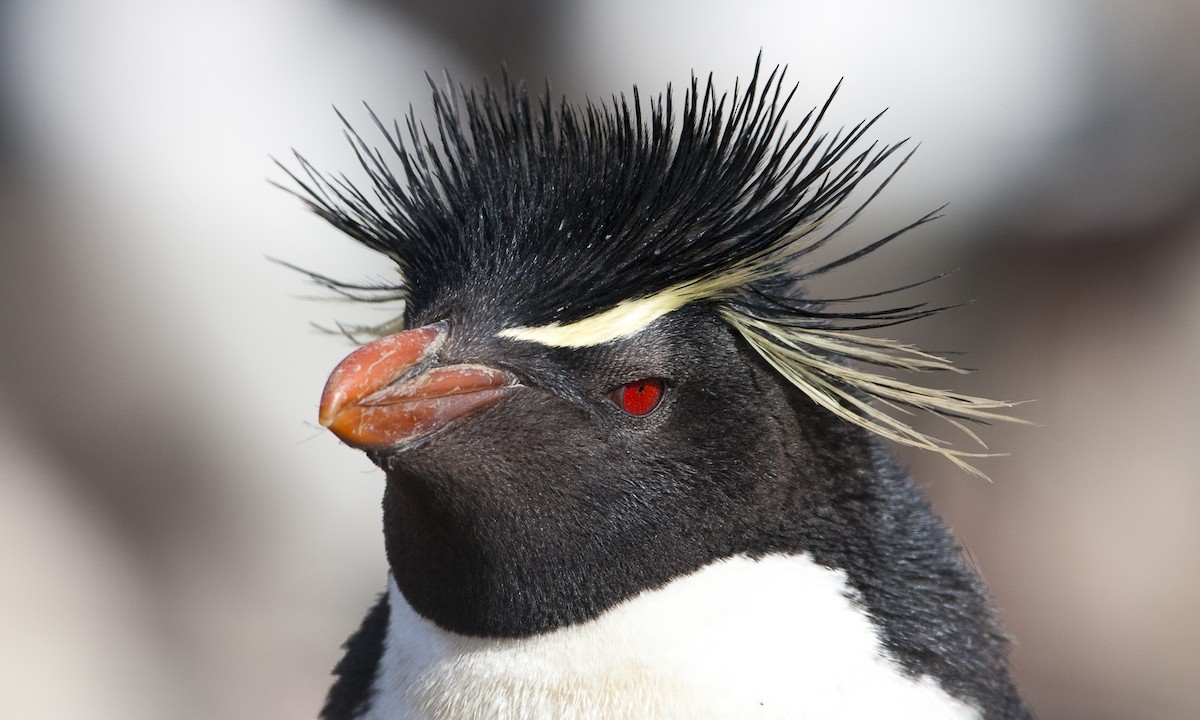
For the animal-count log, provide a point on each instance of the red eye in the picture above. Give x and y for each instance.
(638, 397)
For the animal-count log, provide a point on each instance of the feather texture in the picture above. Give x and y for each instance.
(573, 226)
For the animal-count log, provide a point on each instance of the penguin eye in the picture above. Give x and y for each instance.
(639, 397)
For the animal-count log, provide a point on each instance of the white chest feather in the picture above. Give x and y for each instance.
(778, 637)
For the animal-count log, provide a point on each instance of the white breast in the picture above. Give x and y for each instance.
(779, 637)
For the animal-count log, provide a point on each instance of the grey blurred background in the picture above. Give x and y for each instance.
(179, 540)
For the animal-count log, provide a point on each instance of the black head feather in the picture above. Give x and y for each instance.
(560, 212)
(525, 213)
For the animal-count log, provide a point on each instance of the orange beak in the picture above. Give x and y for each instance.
(390, 392)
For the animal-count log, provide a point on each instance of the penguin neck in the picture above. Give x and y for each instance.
(777, 636)
(499, 575)
(858, 515)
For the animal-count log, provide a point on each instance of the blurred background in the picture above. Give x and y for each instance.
(178, 539)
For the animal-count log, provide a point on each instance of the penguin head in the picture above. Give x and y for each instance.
(608, 372)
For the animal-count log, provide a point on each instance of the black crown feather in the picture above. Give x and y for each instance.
(549, 214)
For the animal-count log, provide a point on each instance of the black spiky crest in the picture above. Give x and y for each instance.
(550, 214)
(564, 212)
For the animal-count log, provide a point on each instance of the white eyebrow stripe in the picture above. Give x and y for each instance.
(630, 317)
(625, 320)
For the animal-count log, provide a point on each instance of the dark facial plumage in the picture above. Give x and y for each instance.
(554, 505)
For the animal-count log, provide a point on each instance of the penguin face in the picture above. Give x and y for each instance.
(564, 497)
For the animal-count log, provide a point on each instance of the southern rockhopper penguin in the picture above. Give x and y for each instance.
(634, 469)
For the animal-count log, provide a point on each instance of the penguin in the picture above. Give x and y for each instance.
(634, 467)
